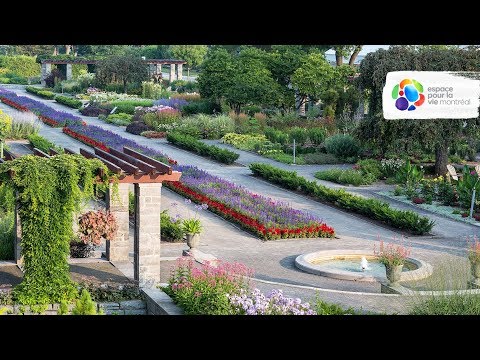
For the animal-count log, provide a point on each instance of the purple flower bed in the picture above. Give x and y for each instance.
(40, 109)
(270, 213)
(115, 141)
(174, 103)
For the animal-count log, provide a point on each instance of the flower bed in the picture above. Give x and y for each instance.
(258, 214)
(96, 136)
(45, 113)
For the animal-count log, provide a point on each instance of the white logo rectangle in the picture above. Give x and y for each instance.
(431, 95)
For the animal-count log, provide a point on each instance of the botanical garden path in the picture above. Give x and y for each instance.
(273, 261)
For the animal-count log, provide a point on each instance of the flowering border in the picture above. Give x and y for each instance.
(85, 139)
(247, 222)
(14, 104)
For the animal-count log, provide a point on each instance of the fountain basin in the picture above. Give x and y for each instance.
(345, 265)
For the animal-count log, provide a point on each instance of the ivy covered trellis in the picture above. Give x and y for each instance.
(49, 189)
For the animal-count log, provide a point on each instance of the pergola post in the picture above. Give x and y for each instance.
(46, 71)
(18, 236)
(179, 71)
(158, 68)
(117, 204)
(172, 73)
(147, 234)
(69, 72)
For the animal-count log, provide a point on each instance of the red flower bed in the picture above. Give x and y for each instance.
(14, 104)
(85, 139)
(49, 121)
(248, 223)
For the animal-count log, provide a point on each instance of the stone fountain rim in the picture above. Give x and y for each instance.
(302, 262)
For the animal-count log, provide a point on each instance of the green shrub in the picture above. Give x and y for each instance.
(20, 65)
(323, 308)
(7, 236)
(206, 126)
(342, 146)
(43, 144)
(299, 134)
(70, 102)
(128, 106)
(160, 120)
(317, 135)
(201, 107)
(456, 304)
(276, 136)
(190, 143)
(171, 229)
(372, 208)
(120, 119)
(349, 176)
(370, 166)
(85, 305)
(320, 159)
(280, 156)
(40, 92)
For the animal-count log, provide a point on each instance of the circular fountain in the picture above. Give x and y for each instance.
(350, 265)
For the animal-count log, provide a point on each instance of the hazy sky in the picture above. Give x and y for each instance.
(366, 49)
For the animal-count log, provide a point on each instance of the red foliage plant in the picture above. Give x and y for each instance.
(97, 225)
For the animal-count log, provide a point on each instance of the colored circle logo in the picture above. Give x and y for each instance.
(408, 95)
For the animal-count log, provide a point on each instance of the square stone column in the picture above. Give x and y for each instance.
(158, 68)
(172, 73)
(46, 70)
(18, 237)
(117, 250)
(147, 234)
(180, 71)
(69, 72)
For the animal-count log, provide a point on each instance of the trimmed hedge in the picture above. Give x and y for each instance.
(128, 106)
(40, 92)
(188, 142)
(372, 208)
(68, 101)
(43, 144)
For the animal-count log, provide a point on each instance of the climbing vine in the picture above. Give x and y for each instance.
(49, 191)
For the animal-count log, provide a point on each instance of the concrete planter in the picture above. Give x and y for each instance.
(193, 240)
(394, 273)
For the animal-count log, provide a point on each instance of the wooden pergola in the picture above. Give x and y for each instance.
(147, 175)
(154, 67)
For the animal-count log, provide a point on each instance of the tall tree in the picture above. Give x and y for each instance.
(121, 68)
(435, 135)
(192, 54)
(345, 51)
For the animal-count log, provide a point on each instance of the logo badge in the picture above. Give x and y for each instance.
(408, 95)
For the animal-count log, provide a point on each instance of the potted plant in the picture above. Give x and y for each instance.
(474, 257)
(192, 226)
(393, 257)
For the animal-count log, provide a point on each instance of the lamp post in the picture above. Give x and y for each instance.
(477, 170)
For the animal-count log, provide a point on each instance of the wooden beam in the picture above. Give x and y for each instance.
(119, 162)
(8, 155)
(39, 152)
(149, 178)
(71, 152)
(149, 169)
(53, 152)
(161, 167)
(112, 167)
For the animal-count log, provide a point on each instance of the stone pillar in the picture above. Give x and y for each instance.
(18, 237)
(158, 69)
(147, 234)
(180, 71)
(151, 70)
(46, 70)
(69, 72)
(172, 73)
(117, 250)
